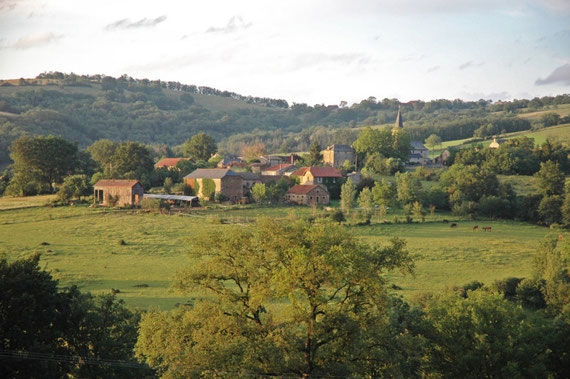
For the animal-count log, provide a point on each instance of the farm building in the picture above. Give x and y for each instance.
(169, 163)
(336, 155)
(308, 194)
(207, 182)
(118, 192)
(249, 180)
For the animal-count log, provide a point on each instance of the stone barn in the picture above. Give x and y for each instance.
(118, 191)
(207, 182)
(308, 194)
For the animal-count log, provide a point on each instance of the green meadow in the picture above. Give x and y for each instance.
(82, 246)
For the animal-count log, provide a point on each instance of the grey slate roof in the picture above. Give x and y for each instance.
(210, 173)
(248, 176)
(417, 145)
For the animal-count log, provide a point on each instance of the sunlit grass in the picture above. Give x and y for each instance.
(81, 246)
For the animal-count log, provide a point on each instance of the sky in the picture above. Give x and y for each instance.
(307, 51)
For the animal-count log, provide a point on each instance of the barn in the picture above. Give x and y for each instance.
(118, 192)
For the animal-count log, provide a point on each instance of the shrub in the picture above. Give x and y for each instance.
(530, 293)
(112, 200)
(338, 216)
(208, 188)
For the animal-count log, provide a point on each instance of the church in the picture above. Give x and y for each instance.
(418, 153)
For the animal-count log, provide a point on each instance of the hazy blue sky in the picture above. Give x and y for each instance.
(304, 51)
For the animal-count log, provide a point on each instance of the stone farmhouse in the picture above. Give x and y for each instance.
(118, 192)
(336, 155)
(308, 194)
(226, 182)
(418, 153)
(318, 175)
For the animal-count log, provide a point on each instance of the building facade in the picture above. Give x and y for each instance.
(225, 182)
(109, 192)
(419, 153)
(308, 194)
(336, 155)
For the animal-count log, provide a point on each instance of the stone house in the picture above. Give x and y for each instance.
(308, 194)
(118, 191)
(336, 155)
(318, 175)
(249, 179)
(418, 153)
(224, 181)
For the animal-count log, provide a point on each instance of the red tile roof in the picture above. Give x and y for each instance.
(116, 183)
(300, 172)
(324, 172)
(169, 162)
(302, 189)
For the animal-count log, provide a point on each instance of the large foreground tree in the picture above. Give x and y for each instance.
(283, 299)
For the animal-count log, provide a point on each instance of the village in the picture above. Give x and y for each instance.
(234, 178)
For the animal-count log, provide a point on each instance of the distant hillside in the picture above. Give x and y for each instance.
(87, 108)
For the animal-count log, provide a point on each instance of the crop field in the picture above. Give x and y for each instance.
(83, 246)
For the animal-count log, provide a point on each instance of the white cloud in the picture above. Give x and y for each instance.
(142, 23)
(35, 40)
(234, 24)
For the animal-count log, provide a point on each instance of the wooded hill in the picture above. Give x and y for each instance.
(87, 108)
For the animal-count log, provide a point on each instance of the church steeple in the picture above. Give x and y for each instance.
(399, 120)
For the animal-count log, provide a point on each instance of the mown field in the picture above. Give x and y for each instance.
(81, 246)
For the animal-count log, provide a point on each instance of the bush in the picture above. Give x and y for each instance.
(466, 208)
(208, 188)
(112, 200)
(338, 216)
(220, 197)
(530, 293)
(493, 206)
(151, 204)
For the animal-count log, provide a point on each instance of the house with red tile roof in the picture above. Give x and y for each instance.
(308, 194)
(319, 175)
(169, 163)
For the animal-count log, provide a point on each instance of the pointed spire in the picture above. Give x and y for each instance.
(399, 120)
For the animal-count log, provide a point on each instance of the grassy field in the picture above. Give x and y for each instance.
(8, 202)
(559, 133)
(81, 246)
(563, 110)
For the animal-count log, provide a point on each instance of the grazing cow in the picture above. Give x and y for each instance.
(486, 228)
(445, 221)
(475, 227)
(454, 225)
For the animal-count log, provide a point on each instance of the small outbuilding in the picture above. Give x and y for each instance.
(110, 192)
(308, 194)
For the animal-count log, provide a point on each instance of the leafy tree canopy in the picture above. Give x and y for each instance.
(284, 299)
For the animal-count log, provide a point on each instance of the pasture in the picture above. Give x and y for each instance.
(82, 246)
